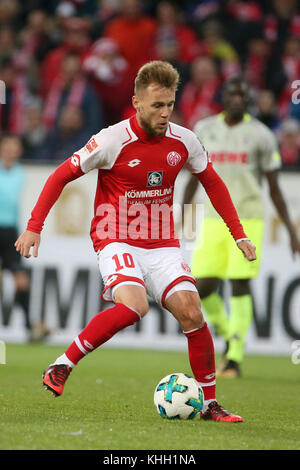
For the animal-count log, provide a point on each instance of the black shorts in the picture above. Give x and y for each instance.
(9, 258)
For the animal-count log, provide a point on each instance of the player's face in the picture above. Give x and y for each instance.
(236, 99)
(10, 151)
(154, 107)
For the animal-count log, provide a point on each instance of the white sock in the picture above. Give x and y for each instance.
(206, 403)
(63, 359)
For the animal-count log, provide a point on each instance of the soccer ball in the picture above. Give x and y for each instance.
(178, 396)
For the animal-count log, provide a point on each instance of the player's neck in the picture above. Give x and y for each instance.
(233, 120)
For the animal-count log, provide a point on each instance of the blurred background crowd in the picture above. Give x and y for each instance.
(68, 66)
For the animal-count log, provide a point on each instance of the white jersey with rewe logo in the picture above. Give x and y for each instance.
(240, 155)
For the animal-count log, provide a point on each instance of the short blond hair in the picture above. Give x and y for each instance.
(156, 71)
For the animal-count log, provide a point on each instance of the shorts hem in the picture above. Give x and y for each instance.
(172, 284)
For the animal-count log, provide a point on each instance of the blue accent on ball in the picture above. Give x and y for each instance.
(197, 404)
(170, 387)
(164, 415)
(193, 414)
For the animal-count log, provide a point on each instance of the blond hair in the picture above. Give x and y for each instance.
(156, 71)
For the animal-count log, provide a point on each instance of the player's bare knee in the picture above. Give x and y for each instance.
(22, 281)
(192, 318)
(206, 286)
(240, 287)
(186, 308)
(140, 307)
(133, 297)
(192, 313)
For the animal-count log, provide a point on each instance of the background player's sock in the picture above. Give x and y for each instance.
(216, 314)
(202, 360)
(241, 312)
(99, 330)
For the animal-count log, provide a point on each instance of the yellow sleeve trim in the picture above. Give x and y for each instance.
(276, 156)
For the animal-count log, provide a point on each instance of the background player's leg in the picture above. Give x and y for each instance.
(22, 296)
(240, 318)
(213, 305)
(240, 272)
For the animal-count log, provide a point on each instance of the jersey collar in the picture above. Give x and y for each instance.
(141, 133)
(246, 117)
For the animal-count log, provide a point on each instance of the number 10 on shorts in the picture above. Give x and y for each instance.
(126, 261)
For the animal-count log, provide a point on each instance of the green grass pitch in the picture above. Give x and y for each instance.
(108, 404)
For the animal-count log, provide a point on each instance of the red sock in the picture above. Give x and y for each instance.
(202, 360)
(100, 329)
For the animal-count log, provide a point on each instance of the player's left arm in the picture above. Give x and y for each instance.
(282, 209)
(221, 200)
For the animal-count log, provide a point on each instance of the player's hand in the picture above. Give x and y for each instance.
(248, 249)
(26, 241)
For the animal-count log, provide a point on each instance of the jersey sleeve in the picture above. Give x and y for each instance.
(221, 200)
(68, 171)
(99, 152)
(197, 158)
(270, 158)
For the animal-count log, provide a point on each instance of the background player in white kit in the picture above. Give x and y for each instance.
(243, 151)
(137, 248)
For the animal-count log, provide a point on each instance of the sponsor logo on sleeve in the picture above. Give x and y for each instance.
(91, 145)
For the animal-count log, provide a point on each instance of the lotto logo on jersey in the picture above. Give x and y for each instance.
(173, 158)
(111, 279)
(155, 178)
(91, 145)
(134, 162)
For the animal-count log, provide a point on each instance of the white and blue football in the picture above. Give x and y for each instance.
(178, 396)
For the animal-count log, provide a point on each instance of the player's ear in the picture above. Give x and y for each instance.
(135, 102)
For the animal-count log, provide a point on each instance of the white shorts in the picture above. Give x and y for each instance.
(161, 271)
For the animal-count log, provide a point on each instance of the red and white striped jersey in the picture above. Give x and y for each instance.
(136, 177)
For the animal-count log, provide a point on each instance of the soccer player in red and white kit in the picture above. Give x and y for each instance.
(138, 251)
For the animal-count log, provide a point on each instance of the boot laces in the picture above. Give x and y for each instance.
(61, 373)
(214, 407)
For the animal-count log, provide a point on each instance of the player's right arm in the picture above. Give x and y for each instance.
(100, 152)
(65, 173)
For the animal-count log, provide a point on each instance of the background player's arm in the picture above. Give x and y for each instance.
(56, 182)
(282, 210)
(270, 165)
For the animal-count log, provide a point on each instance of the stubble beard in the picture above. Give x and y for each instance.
(148, 128)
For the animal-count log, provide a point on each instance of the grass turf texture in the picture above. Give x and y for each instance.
(108, 404)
